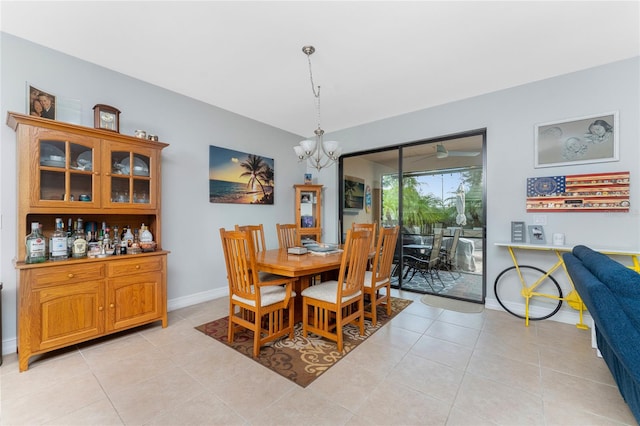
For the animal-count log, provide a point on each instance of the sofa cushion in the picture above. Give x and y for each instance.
(623, 282)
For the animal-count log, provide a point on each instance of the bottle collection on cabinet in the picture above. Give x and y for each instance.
(85, 240)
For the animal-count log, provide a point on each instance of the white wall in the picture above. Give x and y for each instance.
(196, 270)
(190, 222)
(509, 117)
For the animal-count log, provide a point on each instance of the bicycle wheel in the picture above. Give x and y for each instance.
(540, 307)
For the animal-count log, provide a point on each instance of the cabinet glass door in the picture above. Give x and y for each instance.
(65, 173)
(131, 178)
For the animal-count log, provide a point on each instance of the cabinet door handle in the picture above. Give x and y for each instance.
(70, 275)
(107, 174)
(137, 266)
(112, 306)
(101, 308)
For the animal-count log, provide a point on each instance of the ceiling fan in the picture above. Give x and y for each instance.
(442, 152)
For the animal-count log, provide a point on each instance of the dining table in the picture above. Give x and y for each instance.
(302, 266)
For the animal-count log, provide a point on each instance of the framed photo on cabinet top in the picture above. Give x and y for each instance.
(41, 103)
(584, 140)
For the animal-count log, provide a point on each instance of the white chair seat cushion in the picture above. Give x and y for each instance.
(327, 292)
(268, 296)
(367, 280)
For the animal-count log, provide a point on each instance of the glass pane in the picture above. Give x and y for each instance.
(308, 209)
(140, 165)
(51, 185)
(141, 191)
(119, 190)
(81, 187)
(52, 153)
(81, 157)
(117, 166)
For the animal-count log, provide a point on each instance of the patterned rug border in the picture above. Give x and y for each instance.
(301, 360)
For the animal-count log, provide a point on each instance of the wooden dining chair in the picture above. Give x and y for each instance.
(257, 234)
(379, 276)
(371, 227)
(336, 303)
(264, 307)
(288, 235)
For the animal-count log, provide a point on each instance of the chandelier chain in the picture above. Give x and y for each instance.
(313, 89)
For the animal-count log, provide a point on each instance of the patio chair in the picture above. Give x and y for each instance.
(427, 266)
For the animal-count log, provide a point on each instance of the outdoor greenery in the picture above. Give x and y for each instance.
(424, 211)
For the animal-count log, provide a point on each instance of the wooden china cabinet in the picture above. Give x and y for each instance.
(308, 208)
(68, 171)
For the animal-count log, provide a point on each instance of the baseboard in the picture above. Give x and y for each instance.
(564, 315)
(10, 346)
(194, 299)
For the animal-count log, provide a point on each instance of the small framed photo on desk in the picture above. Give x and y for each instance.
(518, 233)
(536, 234)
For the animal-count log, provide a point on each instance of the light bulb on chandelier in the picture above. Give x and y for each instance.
(318, 152)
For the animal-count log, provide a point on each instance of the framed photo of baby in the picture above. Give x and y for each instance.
(41, 103)
(584, 140)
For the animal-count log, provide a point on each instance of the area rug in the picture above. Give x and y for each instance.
(452, 304)
(301, 360)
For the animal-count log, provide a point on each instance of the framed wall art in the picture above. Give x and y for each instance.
(353, 193)
(593, 192)
(592, 139)
(239, 178)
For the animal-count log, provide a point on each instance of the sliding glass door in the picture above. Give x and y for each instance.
(433, 190)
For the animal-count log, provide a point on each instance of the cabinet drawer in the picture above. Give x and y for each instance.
(135, 266)
(67, 274)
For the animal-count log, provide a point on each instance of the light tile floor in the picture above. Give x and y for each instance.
(426, 367)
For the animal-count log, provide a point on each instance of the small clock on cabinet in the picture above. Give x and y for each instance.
(106, 117)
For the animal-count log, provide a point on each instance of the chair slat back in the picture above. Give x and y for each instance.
(435, 248)
(354, 263)
(257, 235)
(371, 227)
(287, 235)
(454, 245)
(385, 250)
(241, 263)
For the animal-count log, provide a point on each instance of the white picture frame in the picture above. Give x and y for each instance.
(582, 140)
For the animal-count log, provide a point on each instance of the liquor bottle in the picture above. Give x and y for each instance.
(58, 244)
(70, 229)
(145, 234)
(47, 248)
(36, 247)
(106, 240)
(116, 240)
(92, 242)
(79, 242)
(128, 236)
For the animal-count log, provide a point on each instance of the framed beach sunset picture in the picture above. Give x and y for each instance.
(239, 178)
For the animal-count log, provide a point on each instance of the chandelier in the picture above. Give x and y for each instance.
(318, 152)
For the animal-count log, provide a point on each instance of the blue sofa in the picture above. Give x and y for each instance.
(611, 292)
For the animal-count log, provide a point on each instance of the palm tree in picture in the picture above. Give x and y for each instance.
(254, 165)
(266, 175)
